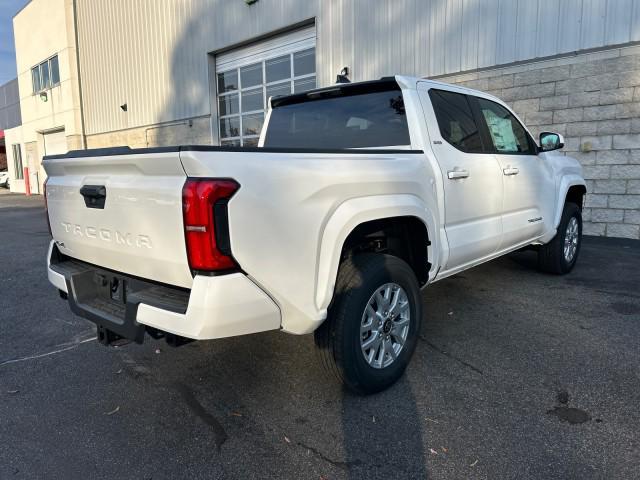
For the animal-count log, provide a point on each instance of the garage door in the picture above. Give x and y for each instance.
(247, 77)
(55, 143)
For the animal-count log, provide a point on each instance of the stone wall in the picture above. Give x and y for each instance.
(593, 99)
(196, 131)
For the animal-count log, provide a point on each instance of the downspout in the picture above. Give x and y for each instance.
(75, 29)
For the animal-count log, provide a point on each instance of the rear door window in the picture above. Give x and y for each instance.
(348, 118)
(456, 121)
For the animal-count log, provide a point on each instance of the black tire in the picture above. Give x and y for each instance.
(338, 338)
(551, 257)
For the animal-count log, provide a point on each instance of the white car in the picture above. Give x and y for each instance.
(358, 196)
(4, 179)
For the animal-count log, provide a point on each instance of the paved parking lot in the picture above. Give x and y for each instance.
(518, 375)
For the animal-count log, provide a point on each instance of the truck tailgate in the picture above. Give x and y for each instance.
(121, 212)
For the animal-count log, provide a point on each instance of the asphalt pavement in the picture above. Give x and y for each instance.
(517, 374)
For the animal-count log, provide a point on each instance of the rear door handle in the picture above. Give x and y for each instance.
(511, 171)
(454, 174)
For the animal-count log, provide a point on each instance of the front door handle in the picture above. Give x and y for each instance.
(456, 173)
(511, 171)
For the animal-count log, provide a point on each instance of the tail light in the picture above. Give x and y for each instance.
(46, 205)
(206, 228)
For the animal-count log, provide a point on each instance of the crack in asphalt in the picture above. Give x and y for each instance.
(219, 433)
(47, 354)
(341, 465)
(453, 357)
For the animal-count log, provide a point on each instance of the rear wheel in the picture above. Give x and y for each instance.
(559, 256)
(373, 323)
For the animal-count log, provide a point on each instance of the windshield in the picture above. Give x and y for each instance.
(360, 120)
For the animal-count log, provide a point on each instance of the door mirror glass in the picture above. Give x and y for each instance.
(551, 141)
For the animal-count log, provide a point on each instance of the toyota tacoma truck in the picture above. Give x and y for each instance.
(357, 197)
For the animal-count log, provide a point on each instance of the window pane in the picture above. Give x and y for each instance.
(304, 84)
(55, 72)
(278, 68)
(17, 161)
(35, 77)
(228, 104)
(279, 89)
(251, 124)
(251, 75)
(250, 142)
(507, 135)
(230, 143)
(252, 100)
(230, 127)
(44, 74)
(360, 120)
(455, 119)
(304, 62)
(227, 81)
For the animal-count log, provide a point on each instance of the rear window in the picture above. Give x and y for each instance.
(361, 120)
(455, 119)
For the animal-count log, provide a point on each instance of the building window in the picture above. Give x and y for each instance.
(243, 93)
(45, 75)
(17, 161)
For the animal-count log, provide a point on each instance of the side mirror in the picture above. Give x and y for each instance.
(551, 141)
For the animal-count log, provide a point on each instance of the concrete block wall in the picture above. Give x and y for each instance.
(593, 99)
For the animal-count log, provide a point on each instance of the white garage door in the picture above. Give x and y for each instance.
(55, 143)
(247, 77)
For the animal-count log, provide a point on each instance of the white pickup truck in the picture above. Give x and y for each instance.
(358, 196)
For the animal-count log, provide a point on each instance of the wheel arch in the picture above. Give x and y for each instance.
(362, 218)
(572, 188)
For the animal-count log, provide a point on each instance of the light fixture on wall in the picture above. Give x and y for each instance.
(43, 96)
(343, 76)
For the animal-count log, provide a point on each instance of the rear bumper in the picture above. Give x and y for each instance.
(215, 307)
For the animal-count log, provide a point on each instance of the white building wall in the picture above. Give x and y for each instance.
(571, 66)
(13, 136)
(43, 29)
(152, 54)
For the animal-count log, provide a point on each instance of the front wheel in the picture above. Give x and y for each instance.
(373, 323)
(559, 256)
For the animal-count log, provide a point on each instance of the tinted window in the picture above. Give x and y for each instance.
(506, 132)
(369, 119)
(455, 119)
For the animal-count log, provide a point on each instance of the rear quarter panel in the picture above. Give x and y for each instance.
(278, 217)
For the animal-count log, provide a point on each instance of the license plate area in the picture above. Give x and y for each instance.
(102, 294)
(110, 299)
